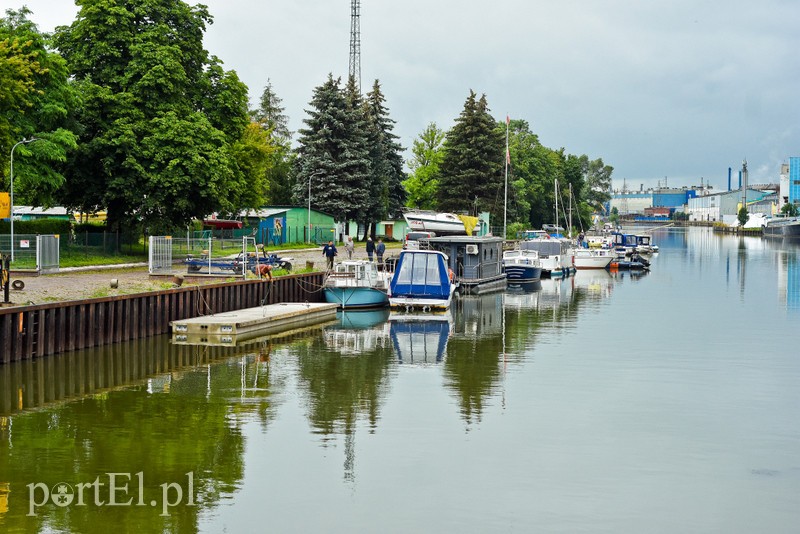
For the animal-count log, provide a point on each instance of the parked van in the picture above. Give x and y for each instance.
(412, 239)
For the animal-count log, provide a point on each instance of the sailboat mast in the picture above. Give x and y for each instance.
(505, 192)
(570, 211)
(556, 205)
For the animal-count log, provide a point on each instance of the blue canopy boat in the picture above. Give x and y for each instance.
(421, 281)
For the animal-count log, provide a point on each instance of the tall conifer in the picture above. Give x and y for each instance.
(333, 155)
(472, 169)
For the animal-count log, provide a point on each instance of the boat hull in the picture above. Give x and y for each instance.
(356, 297)
(593, 259)
(419, 303)
(439, 223)
(788, 228)
(520, 274)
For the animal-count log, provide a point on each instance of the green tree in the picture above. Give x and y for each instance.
(271, 118)
(789, 209)
(36, 100)
(598, 185)
(386, 161)
(160, 117)
(742, 216)
(472, 168)
(423, 181)
(332, 155)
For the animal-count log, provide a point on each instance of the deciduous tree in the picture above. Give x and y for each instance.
(423, 181)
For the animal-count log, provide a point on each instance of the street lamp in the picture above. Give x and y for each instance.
(11, 191)
(309, 207)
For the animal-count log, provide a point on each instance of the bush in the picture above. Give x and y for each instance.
(37, 226)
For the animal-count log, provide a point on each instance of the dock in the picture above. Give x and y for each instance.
(232, 327)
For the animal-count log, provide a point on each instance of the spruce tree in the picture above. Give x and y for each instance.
(333, 155)
(386, 159)
(472, 168)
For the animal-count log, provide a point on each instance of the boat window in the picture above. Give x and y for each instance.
(404, 276)
(418, 274)
(432, 274)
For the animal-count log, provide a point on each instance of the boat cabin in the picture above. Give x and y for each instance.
(476, 261)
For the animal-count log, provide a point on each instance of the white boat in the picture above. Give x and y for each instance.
(555, 255)
(522, 266)
(432, 221)
(593, 258)
(644, 245)
(357, 284)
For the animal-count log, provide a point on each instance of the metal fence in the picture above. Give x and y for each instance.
(200, 255)
(24, 249)
(160, 255)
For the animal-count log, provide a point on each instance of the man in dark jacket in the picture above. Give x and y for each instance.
(329, 251)
(370, 248)
(380, 248)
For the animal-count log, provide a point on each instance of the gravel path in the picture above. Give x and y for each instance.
(96, 282)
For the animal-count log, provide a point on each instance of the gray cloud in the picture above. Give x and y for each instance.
(680, 89)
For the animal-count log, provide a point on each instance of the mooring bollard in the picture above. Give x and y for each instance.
(177, 279)
(114, 283)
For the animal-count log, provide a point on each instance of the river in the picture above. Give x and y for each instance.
(662, 402)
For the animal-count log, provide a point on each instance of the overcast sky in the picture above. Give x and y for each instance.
(664, 91)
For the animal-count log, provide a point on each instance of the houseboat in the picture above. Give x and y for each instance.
(421, 281)
(476, 261)
(357, 284)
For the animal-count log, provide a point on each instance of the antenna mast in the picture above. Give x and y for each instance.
(355, 42)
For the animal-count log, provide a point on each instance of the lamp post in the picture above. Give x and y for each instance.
(309, 208)
(11, 190)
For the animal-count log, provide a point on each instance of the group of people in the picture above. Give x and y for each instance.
(377, 249)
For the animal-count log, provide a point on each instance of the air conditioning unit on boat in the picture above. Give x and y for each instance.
(472, 249)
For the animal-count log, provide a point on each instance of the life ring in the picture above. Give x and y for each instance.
(18, 284)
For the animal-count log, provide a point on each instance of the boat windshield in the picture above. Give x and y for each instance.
(421, 268)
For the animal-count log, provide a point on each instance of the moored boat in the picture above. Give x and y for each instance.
(421, 281)
(522, 266)
(593, 258)
(554, 254)
(782, 227)
(475, 261)
(357, 284)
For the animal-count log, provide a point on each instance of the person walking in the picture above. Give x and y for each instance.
(330, 252)
(350, 247)
(370, 248)
(380, 248)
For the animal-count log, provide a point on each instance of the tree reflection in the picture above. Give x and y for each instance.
(343, 386)
(186, 419)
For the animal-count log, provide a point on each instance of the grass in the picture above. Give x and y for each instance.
(87, 256)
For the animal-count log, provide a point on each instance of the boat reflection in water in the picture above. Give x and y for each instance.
(420, 338)
(357, 332)
(594, 283)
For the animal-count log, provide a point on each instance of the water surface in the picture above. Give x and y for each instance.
(661, 402)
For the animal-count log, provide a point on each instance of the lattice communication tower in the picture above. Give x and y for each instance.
(355, 42)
